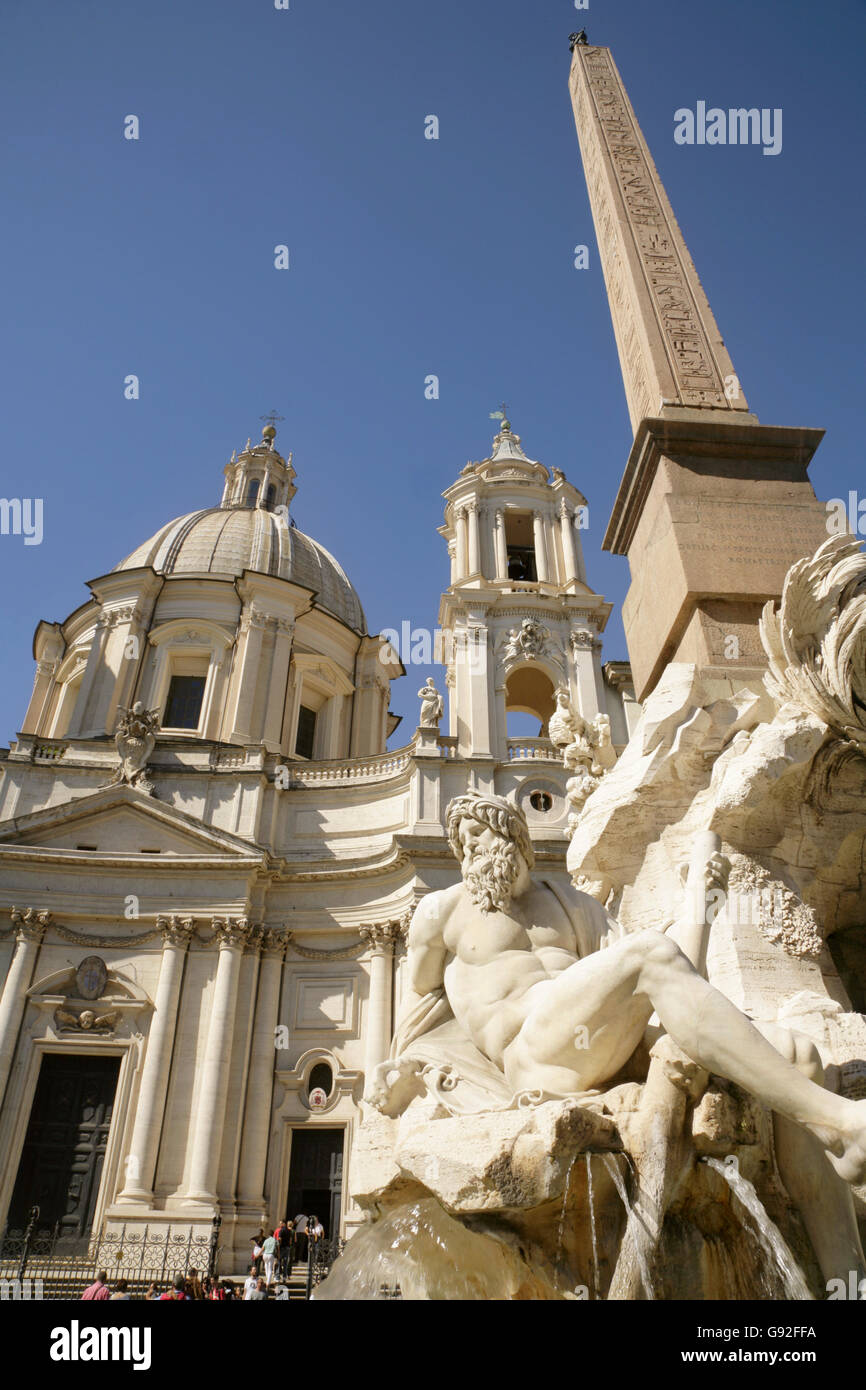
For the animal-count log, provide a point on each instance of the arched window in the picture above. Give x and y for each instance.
(528, 696)
(322, 1076)
(270, 497)
(252, 492)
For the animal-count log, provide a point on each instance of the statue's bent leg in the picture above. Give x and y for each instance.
(599, 994)
(580, 1027)
(824, 1201)
(714, 1033)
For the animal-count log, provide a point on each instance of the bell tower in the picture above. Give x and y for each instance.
(519, 618)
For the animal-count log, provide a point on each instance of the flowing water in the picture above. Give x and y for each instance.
(591, 1201)
(769, 1235)
(632, 1238)
(424, 1253)
(560, 1230)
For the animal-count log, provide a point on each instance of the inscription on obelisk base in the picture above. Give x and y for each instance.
(713, 507)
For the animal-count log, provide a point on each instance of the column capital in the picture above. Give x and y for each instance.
(176, 931)
(381, 936)
(582, 641)
(30, 923)
(234, 933)
(274, 941)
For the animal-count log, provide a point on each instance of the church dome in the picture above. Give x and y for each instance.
(225, 541)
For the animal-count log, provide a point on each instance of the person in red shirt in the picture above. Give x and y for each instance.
(98, 1289)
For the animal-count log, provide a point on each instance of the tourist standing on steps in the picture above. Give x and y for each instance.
(250, 1283)
(300, 1224)
(259, 1293)
(315, 1233)
(270, 1250)
(283, 1237)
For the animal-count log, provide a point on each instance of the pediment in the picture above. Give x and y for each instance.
(123, 822)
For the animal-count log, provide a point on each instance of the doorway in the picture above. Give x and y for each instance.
(316, 1177)
(64, 1148)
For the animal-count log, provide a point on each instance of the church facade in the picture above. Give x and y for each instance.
(210, 857)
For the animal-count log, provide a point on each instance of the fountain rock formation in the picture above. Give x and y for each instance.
(629, 1091)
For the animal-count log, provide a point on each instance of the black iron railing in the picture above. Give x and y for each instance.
(61, 1267)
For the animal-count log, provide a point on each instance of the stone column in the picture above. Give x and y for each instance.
(380, 937)
(587, 670)
(452, 559)
(30, 928)
(541, 568)
(501, 548)
(272, 734)
(553, 565)
(88, 692)
(461, 543)
(474, 539)
(152, 1092)
(260, 1086)
(209, 1118)
(43, 688)
(263, 490)
(568, 552)
(253, 628)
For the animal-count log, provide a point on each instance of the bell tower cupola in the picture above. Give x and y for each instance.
(259, 476)
(511, 523)
(519, 618)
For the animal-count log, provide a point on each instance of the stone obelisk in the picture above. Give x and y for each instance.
(713, 507)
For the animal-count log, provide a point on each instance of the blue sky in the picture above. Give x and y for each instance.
(408, 257)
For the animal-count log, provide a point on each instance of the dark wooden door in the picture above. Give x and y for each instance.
(61, 1163)
(316, 1176)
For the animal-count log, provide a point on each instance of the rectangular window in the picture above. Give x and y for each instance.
(183, 706)
(306, 732)
(520, 546)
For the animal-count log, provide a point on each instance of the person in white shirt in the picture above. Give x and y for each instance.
(250, 1284)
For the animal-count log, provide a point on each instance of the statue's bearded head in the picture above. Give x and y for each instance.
(490, 840)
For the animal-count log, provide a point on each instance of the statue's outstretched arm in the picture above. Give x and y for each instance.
(426, 949)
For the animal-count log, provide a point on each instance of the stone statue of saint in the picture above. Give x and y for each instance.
(432, 705)
(135, 739)
(522, 987)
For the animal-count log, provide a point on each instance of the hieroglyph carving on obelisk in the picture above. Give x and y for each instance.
(670, 348)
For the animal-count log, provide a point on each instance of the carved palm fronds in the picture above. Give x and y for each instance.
(816, 641)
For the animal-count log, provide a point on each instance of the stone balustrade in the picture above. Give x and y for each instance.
(380, 768)
(532, 750)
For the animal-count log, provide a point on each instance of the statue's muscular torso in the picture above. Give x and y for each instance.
(491, 962)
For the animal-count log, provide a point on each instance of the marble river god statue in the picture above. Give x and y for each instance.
(527, 1001)
(555, 997)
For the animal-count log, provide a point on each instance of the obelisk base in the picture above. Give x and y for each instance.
(711, 517)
